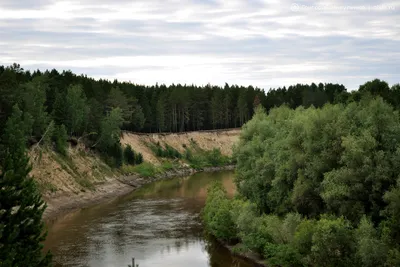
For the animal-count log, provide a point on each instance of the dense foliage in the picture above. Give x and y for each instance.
(341, 160)
(81, 103)
(21, 207)
(318, 186)
(96, 111)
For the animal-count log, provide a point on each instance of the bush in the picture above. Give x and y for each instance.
(115, 154)
(145, 169)
(282, 255)
(370, 249)
(251, 228)
(393, 258)
(166, 166)
(129, 155)
(215, 158)
(168, 152)
(333, 243)
(289, 226)
(217, 214)
(139, 158)
(188, 154)
(172, 153)
(303, 238)
(201, 158)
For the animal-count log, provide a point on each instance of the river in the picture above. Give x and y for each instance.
(158, 225)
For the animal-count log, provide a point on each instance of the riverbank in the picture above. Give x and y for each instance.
(60, 204)
(82, 178)
(252, 257)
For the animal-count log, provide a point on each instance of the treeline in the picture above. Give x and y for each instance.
(82, 103)
(60, 107)
(157, 108)
(317, 187)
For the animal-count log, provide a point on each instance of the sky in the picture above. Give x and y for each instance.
(255, 42)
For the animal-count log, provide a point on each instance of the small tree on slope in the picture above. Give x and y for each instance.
(21, 206)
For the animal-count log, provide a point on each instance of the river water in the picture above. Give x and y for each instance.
(158, 225)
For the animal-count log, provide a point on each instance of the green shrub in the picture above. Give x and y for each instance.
(167, 165)
(114, 155)
(188, 155)
(172, 153)
(215, 158)
(333, 243)
(282, 255)
(393, 258)
(145, 169)
(370, 249)
(129, 155)
(168, 152)
(217, 214)
(159, 152)
(289, 226)
(139, 158)
(303, 238)
(251, 229)
(198, 158)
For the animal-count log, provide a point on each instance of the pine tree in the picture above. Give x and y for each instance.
(21, 206)
(160, 114)
(129, 155)
(61, 140)
(139, 158)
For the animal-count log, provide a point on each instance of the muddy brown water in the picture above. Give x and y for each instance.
(158, 225)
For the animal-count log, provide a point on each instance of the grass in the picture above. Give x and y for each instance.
(46, 187)
(198, 158)
(147, 169)
(144, 169)
(168, 165)
(84, 183)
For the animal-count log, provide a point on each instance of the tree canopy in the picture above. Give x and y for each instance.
(325, 180)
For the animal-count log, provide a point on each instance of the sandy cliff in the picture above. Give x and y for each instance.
(83, 178)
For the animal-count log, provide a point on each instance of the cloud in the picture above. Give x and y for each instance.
(263, 43)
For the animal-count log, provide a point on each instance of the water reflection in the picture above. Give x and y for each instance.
(159, 225)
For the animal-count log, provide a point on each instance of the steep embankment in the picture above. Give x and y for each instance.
(206, 140)
(82, 178)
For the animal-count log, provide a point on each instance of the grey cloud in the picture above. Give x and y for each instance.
(24, 4)
(269, 49)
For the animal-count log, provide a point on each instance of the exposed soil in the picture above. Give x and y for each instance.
(206, 140)
(83, 179)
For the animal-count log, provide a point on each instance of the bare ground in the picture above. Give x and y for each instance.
(206, 140)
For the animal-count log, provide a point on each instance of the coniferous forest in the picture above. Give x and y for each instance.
(317, 166)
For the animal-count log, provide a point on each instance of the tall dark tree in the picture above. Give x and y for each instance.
(21, 206)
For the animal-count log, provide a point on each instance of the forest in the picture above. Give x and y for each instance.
(317, 161)
(316, 186)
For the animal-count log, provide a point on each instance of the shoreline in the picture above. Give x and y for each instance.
(62, 204)
(250, 257)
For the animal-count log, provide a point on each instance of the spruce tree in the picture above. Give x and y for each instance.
(61, 140)
(21, 206)
(129, 155)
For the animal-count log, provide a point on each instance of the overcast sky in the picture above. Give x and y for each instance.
(263, 43)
